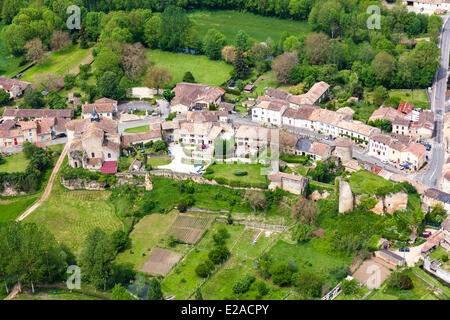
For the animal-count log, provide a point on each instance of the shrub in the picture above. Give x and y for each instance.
(243, 284)
(240, 173)
(220, 236)
(444, 257)
(262, 288)
(405, 282)
(181, 207)
(219, 254)
(204, 269)
(281, 274)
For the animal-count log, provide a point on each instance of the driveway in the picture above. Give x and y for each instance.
(176, 165)
(414, 254)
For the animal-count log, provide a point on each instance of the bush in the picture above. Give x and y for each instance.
(220, 236)
(219, 254)
(240, 173)
(444, 257)
(281, 274)
(204, 269)
(181, 207)
(262, 288)
(405, 282)
(243, 284)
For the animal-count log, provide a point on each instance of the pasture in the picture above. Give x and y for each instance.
(60, 63)
(15, 163)
(229, 22)
(203, 69)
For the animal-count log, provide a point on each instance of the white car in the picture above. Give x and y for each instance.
(384, 161)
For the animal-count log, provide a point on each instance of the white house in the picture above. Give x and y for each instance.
(269, 112)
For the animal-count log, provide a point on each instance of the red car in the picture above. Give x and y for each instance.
(425, 234)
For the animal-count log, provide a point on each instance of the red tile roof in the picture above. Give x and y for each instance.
(109, 167)
(405, 107)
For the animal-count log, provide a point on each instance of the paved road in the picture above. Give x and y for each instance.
(48, 188)
(432, 176)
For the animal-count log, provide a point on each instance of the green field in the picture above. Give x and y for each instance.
(15, 163)
(71, 215)
(9, 65)
(306, 256)
(204, 70)
(146, 235)
(60, 63)
(363, 182)
(257, 27)
(155, 162)
(226, 170)
(138, 129)
(417, 97)
(11, 208)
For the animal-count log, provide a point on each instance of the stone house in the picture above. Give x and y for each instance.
(250, 140)
(14, 132)
(94, 142)
(390, 257)
(269, 112)
(15, 88)
(190, 96)
(288, 182)
(11, 114)
(142, 137)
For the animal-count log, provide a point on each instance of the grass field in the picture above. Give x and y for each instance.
(60, 63)
(159, 161)
(138, 129)
(71, 215)
(363, 182)
(257, 27)
(305, 256)
(417, 97)
(420, 291)
(15, 163)
(9, 65)
(10, 209)
(146, 235)
(226, 170)
(204, 70)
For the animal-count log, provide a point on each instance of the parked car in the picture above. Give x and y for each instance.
(425, 234)
(403, 249)
(384, 161)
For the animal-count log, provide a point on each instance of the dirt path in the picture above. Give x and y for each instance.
(13, 293)
(48, 188)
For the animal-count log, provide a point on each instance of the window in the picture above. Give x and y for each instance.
(109, 155)
(42, 137)
(93, 155)
(31, 134)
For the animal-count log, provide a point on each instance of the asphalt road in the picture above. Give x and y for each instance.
(432, 176)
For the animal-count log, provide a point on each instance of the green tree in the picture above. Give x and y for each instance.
(108, 86)
(154, 290)
(240, 64)
(175, 28)
(302, 232)
(96, 257)
(33, 99)
(309, 283)
(120, 293)
(281, 274)
(213, 44)
(188, 77)
(4, 97)
(242, 40)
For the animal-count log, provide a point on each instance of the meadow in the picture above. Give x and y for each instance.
(229, 22)
(60, 63)
(203, 69)
(15, 163)
(363, 182)
(228, 170)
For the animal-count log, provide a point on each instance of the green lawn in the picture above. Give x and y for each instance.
(363, 182)
(138, 129)
(267, 79)
(227, 170)
(159, 161)
(15, 163)
(257, 27)
(205, 71)
(305, 256)
(11, 208)
(420, 291)
(417, 97)
(59, 62)
(9, 65)
(148, 233)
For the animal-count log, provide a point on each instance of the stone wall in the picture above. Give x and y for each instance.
(9, 190)
(387, 204)
(82, 184)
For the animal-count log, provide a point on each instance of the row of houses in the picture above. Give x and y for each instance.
(277, 107)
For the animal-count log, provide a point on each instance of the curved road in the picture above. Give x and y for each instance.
(434, 173)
